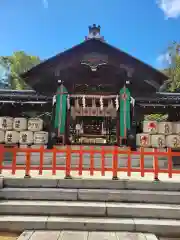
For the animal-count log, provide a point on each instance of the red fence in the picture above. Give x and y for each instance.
(68, 151)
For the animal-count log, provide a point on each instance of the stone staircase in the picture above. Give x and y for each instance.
(90, 205)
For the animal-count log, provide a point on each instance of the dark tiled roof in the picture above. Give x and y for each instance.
(163, 98)
(22, 95)
(30, 95)
(72, 57)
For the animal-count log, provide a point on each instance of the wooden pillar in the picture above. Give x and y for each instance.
(51, 129)
(67, 132)
(131, 136)
(117, 128)
(173, 114)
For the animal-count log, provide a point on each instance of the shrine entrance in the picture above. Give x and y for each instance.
(93, 130)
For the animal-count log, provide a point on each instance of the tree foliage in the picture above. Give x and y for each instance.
(172, 68)
(15, 65)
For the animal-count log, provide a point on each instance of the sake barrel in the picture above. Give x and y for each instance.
(11, 137)
(2, 135)
(158, 141)
(26, 137)
(176, 127)
(41, 137)
(150, 127)
(35, 124)
(173, 141)
(6, 123)
(165, 128)
(20, 124)
(143, 140)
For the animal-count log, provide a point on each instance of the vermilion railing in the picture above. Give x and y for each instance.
(103, 151)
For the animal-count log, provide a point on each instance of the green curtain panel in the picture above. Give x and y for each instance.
(125, 99)
(61, 107)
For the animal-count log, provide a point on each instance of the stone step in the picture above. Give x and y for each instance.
(90, 184)
(97, 209)
(84, 235)
(155, 226)
(107, 195)
(129, 196)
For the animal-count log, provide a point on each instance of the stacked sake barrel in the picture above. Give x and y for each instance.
(159, 135)
(23, 131)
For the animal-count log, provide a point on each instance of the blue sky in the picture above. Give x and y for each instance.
(143, 28)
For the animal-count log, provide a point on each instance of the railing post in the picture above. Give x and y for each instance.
(142, 153)
(1, 157)
(129, 161)
(68, 163)
(28, 163)
(14, 155)
(80, 161)
(41, 159)
(54, 163)
(170, 163)
(102, 161)
(155, 164)
(115, 163)
(91, 160)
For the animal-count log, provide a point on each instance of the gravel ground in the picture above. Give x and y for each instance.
(8, 236)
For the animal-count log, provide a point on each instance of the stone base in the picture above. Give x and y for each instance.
(1, 182)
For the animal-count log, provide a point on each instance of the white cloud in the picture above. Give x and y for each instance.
(171, 8)
(163, 60)
(45, 3)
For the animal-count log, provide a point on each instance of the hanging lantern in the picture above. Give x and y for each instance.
(132, 101)
(103, 130)
(94, 108)
(82, 129)
(68, 102)
(84, 101)
(77, 107)
(108, 109)
(110, 105)
(73, 113)
(77, 104)
(117, 102)
(93, 103)
(101, 103)
(54, 100)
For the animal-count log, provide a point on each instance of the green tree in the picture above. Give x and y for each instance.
(17, 64)
(172, 68)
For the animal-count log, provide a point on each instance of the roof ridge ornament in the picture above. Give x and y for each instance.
(94, 33)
